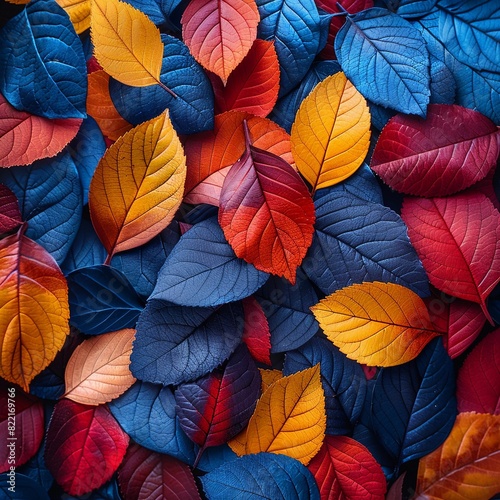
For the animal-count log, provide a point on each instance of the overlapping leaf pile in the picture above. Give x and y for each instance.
(250, 248)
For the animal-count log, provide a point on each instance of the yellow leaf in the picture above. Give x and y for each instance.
(331, 132)
(78, 12)
(238, 443)
(98, 370)
(378, 324)
(269, 377)
(138, 185)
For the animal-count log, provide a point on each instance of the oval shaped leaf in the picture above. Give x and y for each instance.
(10, 215)
(78, 12)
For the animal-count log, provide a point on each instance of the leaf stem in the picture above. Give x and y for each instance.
(107, 262)
(164, 87)
(248, 140)
(198, 456)
(343, 10)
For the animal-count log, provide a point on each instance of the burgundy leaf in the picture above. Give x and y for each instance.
(10, 215)
(256, 333)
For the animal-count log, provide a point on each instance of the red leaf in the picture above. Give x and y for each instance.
(10, 215)
(437, 156)
(256, 333)
(458, 242)
(396, 491)
(84, 446)
(478, 382)
(345, 469)
(25, 138)
(266, 212)
(145, 474)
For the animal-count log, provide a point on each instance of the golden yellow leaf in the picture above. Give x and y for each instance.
(269, 377)
(238, 443)
(78, 12)
(378, 324)
(138, 185)
(331, 132)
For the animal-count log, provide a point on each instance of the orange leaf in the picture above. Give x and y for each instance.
(378, 324)
(98, 370)
(137, 185)
(269, 377)
(34, 310)
(219, 33)
(466, 465)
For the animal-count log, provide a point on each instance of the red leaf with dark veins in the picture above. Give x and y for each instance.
(10, 215)
(256, 333)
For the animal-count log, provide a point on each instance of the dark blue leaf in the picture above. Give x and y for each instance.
(203, 270)
(50, 197)
(357, 241)
(386, 58)
(200, 212)
(193, 108)
(344, 382)
(146, 412)
(176, 344)
(36, 469)
(101, 300)
(296, 30)
(287, 308)
(152, 9)
(410, 9)
(215, 457)
(494, 304)
(263, 475)
(108, 491)
(380, 115)
(21, 487)
(42, 65)
(173, 10)
(414, 405)
(443, 86)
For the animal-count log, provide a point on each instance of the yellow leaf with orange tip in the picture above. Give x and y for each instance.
(466, 465)
(138, 185)
(98, 370)
(34, 310)
(331, 132)
(78, 12)
(377, 324)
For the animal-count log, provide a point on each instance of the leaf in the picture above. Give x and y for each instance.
(220, 33)
(344, 468)
(176, 344)
(10, 215)
(331, 132)
(144, 473)
(268, 378)
(478, 381)
(25, 138)
(378, 324)
(42, 63)
(256, 334)
(459, 227)
(78, 12)
(410, 9)
(437, 156)
(264, 475)
(467, 463)
(146, 170)
(292, 404)
(357, 241)
(203, 270)
(25, 486)
(266, 212)
(98, 370)
(34, 309)
(368, 48)
(84, 446)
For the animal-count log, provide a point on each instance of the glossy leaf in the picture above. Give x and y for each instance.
(84, 446)
(34, 309)
(256, 334)
(331, 132)
(145, 169)
(437, 156)
(378, 324)
(78, 12)
(10, 215)
(467, 464)
(220, 33)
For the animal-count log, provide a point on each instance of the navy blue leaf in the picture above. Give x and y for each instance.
(296, 29)
(101, 300)
(50, 198)
(176, 344)
(173, 10)
(357, 241)
(386, 58)
(203, 270)
(410, 9)
(193, 108)
(287, 308)
(343, 380)
(108, 491)
(215, 457)
(146, 412)
(414, 405)
(263, 475)
(36, 469)
(494, 304)
(379, 116)
(152, 9)
(23, 487)
(42, 65)
(200, 212)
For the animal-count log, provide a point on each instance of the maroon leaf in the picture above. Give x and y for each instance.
(256, 333)
(10, 215)
(396, 491)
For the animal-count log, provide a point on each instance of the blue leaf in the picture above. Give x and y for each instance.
(357, 241)
(287, 308)
(173, 10)
(36, 469)
(263, 475)
(379, 116)
(215, 457)
(50, 197)
(146, 412)
(24, 487)
(443, 86)
(108, 491)
(101, 300)
(344, 382)
(42, 65)
(414, 405)
(296, 29)
(410, 9)
(152, 9)
(203, 270)
(193, 108)
(386, 58)
(176, 344)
